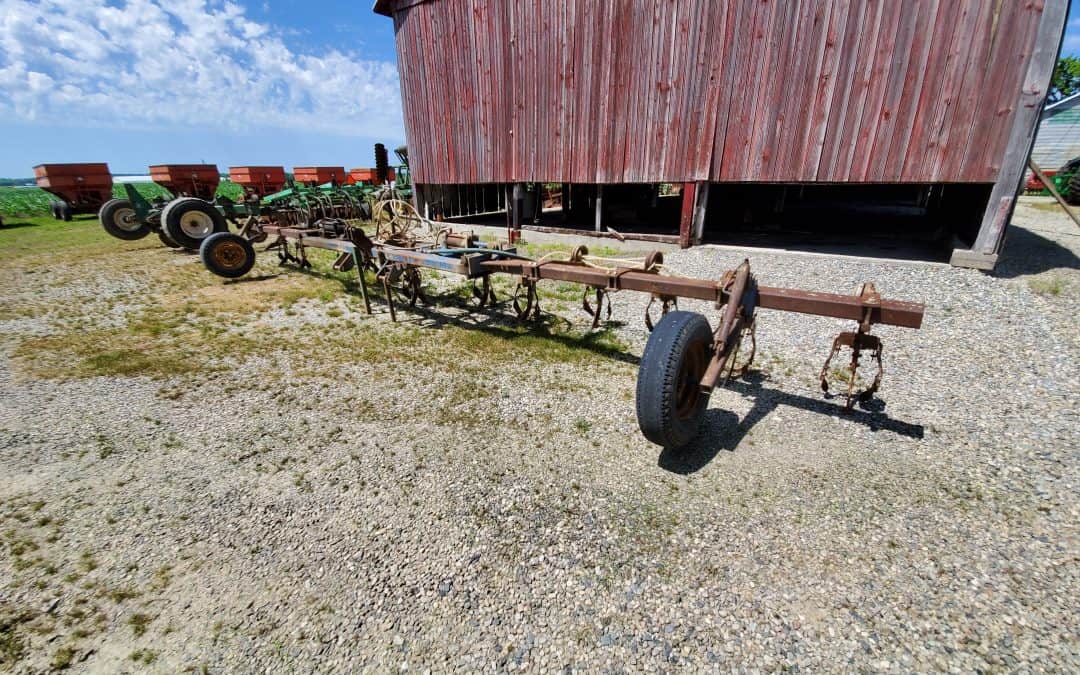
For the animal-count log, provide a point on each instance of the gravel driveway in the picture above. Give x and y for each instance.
(289, 485)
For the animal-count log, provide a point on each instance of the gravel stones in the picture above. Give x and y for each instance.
(336, 521)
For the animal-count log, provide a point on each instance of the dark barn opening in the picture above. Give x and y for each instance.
(916, 221)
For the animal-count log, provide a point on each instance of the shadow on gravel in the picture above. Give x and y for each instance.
(249, 279)
(499, 322)
(722, 430)
(1027, 252)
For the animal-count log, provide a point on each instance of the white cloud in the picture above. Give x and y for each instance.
(154, 63)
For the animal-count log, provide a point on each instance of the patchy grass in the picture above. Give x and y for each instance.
(83, 237)
(12, 644)
(62, 658)
(139, 623)
(538, 250)
(143, 656)
(1050, 285)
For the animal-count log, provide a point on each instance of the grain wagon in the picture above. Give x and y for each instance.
(78, 188)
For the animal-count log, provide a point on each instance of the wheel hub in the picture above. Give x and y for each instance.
(687, 389)
(197, 225)
(126, 220)
(229, 255)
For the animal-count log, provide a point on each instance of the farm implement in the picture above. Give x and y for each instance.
(684, 359)
(195, 212)
(78, 188)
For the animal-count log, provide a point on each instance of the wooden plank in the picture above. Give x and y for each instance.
(814, 48)
(771, 92)
(1034, 88)
(818, 120)
(874, 18)
(986, 158)
(750, 34)
(722, 73)
(846, 84)
(995, 76)
(952, 141)
(875, 96)
(890, 148)
(686, 218)
(953, 34)
(784, 160)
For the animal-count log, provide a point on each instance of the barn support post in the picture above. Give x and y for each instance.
(538, 212)
(418, 200)
(999, 208)
(686, 221)
(519, 205)
(699, 213)
(599, 207)
(508, 199)
(565, 202)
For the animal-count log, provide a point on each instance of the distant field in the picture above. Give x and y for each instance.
(25, 202)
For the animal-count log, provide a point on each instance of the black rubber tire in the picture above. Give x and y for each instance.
(173, 220)
(54, 208)
(65, 212)
(670, 404)
(227, 255)
(115, 214)
(167, 240)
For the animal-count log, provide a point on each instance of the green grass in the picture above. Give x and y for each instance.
(23, 202)
(1052, 285)
(44, 235)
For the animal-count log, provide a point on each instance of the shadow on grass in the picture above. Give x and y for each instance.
(723, 430)
(250, 279)
(497, 321)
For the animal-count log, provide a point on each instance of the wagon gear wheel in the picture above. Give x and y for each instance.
(119, 219)
(227, 255)
(165, 239)
(190, 220)
(670, 402)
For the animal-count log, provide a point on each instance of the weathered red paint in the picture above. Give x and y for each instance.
(613, 91)
(686, 217)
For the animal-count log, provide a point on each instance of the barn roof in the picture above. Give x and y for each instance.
(1064, 104)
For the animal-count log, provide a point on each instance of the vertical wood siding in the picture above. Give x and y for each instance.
(613, 91)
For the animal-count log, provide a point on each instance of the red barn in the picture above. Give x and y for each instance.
(835, 116)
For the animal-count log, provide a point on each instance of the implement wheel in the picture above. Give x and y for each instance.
(227, 255)
(188, 221)
(670, 404)
(165, 239)
(119, 220)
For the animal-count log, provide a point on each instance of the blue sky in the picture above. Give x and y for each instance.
(135, 82)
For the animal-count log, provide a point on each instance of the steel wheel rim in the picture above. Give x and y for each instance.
(687, 389)
(229, 255)
(126, 220)
(196, 224)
